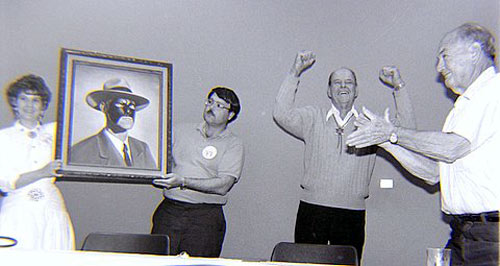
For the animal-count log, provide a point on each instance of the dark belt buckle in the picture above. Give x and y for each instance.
(484, 217)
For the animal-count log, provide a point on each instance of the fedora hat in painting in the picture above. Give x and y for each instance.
(115, 88)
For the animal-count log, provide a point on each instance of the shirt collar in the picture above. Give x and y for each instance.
(476, 86)
(336, 115)
(117, 143)
(201, 129)
(22, 128)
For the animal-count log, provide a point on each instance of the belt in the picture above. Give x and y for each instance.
(480, 217)
(191, 205)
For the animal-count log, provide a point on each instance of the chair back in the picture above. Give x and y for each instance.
(315, 253)
(127, 243)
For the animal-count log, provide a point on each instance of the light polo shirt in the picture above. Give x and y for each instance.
(197, 156)
(472, 184)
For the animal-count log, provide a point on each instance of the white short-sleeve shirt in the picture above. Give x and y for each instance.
(471, 184)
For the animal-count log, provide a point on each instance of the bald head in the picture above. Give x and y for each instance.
(342, 71)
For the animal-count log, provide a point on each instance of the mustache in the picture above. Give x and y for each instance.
(125, 117)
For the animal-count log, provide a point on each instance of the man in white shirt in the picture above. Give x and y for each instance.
(463, 157)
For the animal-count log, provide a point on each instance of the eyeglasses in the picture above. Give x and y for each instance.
(219, 105)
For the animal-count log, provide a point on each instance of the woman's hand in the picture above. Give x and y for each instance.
(50, 169)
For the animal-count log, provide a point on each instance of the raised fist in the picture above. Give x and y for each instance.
(390, 76)
(304, 60)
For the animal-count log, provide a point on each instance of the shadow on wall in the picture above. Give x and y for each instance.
(431, 189)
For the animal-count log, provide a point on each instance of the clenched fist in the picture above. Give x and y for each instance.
(390, 76)
(304, 60)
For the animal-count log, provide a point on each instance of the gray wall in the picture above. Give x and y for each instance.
(249, 45)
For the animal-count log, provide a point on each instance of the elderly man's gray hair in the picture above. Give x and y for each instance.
(473, 32)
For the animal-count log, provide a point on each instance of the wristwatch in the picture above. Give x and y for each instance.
(393, 138)
(399, 86)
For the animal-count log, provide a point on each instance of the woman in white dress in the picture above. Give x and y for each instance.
(32, 210)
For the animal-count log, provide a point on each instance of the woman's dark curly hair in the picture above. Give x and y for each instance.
(29, 84)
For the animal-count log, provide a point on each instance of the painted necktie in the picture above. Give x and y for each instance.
(126, 157)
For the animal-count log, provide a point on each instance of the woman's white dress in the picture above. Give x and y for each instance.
(35, 215)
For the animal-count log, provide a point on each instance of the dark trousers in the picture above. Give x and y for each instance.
(197, 229)
(474, 241)
(325, 225)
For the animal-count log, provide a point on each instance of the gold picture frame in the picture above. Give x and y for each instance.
(82, 132)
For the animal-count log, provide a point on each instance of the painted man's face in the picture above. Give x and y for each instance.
(121, 112)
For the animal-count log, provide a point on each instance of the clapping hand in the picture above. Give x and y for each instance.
(372, 129)
(50, 169)
(303, 61)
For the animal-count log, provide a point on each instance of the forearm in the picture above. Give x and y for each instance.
(420, 166)
(440, 146)
(216, 185)
(286, 97)
(28, 178)
(405, 114)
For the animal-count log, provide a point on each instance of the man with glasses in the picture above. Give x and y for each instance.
(336, 179)
(208, 159)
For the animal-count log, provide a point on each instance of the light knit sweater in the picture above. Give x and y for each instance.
(334, 175)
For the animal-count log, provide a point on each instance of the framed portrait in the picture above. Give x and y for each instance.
(113, 118)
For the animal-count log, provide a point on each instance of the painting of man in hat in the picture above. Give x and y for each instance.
(112, 146)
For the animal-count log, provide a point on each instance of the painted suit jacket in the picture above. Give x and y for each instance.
(99, 150)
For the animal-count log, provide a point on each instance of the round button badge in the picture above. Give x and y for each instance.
(209, 152)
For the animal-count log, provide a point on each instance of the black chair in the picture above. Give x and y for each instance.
(127, 243)
(314, 253)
